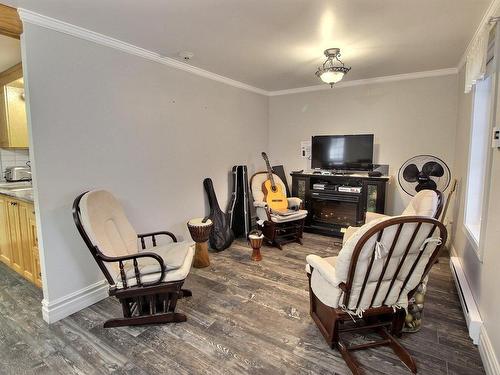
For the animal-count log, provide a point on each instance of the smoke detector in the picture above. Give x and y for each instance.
(186, 55)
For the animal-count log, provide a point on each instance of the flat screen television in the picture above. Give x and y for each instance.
(343, 152)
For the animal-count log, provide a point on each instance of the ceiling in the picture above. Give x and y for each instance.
(10, 52)
(278, 44)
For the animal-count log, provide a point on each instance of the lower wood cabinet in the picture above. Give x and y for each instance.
(5, 247)
(18, 238)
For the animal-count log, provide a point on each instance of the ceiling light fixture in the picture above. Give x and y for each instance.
(333, 69)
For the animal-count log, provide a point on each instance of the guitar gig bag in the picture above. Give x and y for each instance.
(221, 236)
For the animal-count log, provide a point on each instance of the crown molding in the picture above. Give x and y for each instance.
(490, 12)
(82, 33)
(368, 81)
(34, 18)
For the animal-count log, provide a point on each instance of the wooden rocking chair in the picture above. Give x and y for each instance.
(277, 229)
(147, 283)
(367, 286)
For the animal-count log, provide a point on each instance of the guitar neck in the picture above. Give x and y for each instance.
(269, 169)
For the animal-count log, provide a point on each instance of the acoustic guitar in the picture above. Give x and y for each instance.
(274, 195)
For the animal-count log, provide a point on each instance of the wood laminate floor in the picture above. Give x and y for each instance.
(244, 318)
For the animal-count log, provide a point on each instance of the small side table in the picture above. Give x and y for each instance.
(199, 228)
(256, 238)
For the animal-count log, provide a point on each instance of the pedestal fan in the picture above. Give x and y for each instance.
(424, 172)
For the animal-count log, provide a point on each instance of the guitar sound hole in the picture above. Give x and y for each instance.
(274, 189)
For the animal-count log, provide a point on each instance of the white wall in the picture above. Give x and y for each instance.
(482, 276)
(408, 118)
(101, 118)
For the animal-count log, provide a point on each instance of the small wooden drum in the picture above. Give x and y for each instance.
(200, 231)
(256, 238)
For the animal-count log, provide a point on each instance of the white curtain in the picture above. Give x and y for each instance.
(475, 68)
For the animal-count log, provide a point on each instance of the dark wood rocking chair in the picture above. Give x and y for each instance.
(278, 230)
(367, 286)
(147, 283)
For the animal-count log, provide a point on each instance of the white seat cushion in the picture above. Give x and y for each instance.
(424, 203)
(323, 279)
(107, 225)
(294, 202)
(329, 260)
(348, 233)
(370, 216)
(326, 276)
(173, 255)
(176, 274)
(261, 207)
(300, 214)
(256, 185)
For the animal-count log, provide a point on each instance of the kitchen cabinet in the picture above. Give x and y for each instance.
(14, 225)
(5, 253)
(13, 121)
(33, 246)
(18, 242)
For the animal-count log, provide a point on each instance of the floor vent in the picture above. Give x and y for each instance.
(469, 306)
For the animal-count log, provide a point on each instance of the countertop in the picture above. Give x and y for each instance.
(19, 190)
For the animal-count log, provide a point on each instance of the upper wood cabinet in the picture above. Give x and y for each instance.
(13, 122)
(10, 23)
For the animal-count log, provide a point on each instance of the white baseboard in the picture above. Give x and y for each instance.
(469, 306)
(453, 251)
(62, 307)
(490, 360)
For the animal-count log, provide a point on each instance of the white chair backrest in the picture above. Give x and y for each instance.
(424, 203)
(256, 185)
(374, 258)
(106, 224)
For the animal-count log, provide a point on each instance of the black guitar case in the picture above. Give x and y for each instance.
(221, 236)
(239, 206)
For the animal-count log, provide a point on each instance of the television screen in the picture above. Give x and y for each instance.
(345, 152)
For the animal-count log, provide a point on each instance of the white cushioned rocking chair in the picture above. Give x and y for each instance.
(148, 281)
(427, 203)
(277, 229)
(367, 286)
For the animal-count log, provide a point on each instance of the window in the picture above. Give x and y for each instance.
(479, 160)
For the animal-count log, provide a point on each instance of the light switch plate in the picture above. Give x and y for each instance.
(305, 149)
(495, 140)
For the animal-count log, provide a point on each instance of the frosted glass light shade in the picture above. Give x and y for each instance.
(331, 77)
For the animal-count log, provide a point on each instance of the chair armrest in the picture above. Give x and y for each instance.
(153, 237)
(137, 272)
(323, 267)
(370, 216)
(259, 204)
(294, 202)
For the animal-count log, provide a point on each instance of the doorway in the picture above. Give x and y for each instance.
(19, 250)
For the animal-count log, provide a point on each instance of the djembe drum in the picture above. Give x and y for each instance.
(256, 238)
(200, 230)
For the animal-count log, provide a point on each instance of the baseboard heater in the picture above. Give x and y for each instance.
(469, 307)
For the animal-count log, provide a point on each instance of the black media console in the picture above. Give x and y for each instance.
(336, 201)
